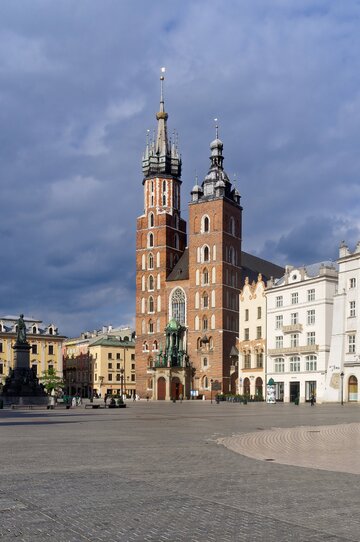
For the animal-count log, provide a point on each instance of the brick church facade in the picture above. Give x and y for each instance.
(187, 284)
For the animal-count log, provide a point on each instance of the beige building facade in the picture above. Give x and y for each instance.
(252, 339)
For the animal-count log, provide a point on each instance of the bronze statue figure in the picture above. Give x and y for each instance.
(21, 330)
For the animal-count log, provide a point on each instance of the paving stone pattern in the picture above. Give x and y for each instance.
(156, 472)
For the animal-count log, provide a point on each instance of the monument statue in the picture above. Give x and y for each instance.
(21, 331)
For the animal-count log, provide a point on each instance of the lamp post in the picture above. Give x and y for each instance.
(121, 381)
(342, 387)
(101, 379)
(211, 388)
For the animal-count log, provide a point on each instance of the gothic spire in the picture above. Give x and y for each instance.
(161, 157)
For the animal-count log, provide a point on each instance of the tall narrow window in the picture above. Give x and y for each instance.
(151, 239)
(206, 254)
(151, 220)
(151, 261)
(178, 305)
(151, 304)
(151, 283)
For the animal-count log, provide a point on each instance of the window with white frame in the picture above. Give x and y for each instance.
(279, 341)
(294, 298)
(205, 324)
(279, 365)
(150, 261)
(352, 344)
(205, 254)
(294, 318)
(259, 312)
(151, 220)
(258, 332)
(151, 326)
(311, 295)
(311, 317)
(294, 340)
(295, 364)
(151, 240)
(247, 361)
(352, 307)
(246, 315)
(205, 224)
(352, 282)
(246, 334)
(310, 338)
(205, 362)
(279, 301)
(311, 363)
(259, 360)
(205, 301)
(278, 321)
(151, 283)
(205, 277)
(151, 304)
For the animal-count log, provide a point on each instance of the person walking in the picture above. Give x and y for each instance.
(312, 400)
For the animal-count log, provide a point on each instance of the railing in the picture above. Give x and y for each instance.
(307, 349)
(292, 328)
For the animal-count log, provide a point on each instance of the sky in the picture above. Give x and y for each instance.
(79, 87)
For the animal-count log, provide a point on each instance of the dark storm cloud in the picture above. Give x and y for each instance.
(79, 88)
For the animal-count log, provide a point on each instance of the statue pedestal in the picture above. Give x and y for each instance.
(22, 386)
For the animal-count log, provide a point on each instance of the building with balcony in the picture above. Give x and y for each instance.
(46, 346)
(299, 323)
(342, 381)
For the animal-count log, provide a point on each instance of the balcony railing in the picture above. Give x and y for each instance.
(307, 349)
(292, 328)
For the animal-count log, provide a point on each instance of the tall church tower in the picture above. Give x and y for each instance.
(160, 242)
(215, 224)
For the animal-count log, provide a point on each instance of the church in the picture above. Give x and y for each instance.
(188, 276)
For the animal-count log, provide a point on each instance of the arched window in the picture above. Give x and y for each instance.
(205, 323)
(232, 255)
(205, 363)
(206, 254)
(151, 283)
(177, 304)
(232, 225)
(197, 323)
(213, 298)
(211, 343)
(145, 346)
(214, 252)
(205, 383)
(151, 326)
(197, 277)
(205, 277)
(155, 345)
(151, 240)
(205, 224)
(151, 304)
(176, 240)
(151, 261)
(34, 330)
(164, 193)
(205, 301)
(198, 343)
(151, 220)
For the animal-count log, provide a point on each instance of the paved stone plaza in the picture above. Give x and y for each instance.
(161, 472)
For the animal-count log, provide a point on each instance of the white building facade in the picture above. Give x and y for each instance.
(252, 339)
(299, 325)
(343, 375)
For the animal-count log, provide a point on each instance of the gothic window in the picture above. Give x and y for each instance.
(151, 220)
(34, 330)
(151, 326)
(205, 276)
(155, 345)
(158, 281)
(151, 240)
(198, 343)
(205, 323)
(158, 325)
(151, 261)
(206, 253)
(205, 301)
(211, 343)
(197, 277)
(232, 255)
(151, 282)
(176, 240)
(232, 225)
(145, 347)
(151, 304)
(205, 383)
(178, 305)
(164, 193)
(205, 224)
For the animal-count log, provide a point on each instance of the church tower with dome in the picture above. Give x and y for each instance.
(187, 288)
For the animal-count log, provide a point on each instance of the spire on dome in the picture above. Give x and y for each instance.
(162, 157)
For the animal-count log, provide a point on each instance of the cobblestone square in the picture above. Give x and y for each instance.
(165, 472)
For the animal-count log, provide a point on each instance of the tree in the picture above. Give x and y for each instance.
(51, 381)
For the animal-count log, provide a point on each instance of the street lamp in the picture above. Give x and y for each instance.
(211, 388)
(121, 380)
(342, 387)
(101, 379)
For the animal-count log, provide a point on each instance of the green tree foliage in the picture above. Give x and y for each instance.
(51, 381)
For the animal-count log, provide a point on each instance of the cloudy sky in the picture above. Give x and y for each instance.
(79, 87)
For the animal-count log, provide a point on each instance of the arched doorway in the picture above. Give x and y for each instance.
(161, 388)
(176, 388)
(353, 388)
(246, 386)
(259, 387)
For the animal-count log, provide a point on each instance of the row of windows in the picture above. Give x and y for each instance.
(247, 333)
(203, 323)
(34, 349)
(258, 359)
(164, 195)
(205, 302)
(279, 300)
(150, 261)
(203, 276)
(294, 319)
(259, 314)
(150, 308)
(294, 364)
(151, 241)
(294, 340)
(206, 227)
(151, 221)
(118, 377)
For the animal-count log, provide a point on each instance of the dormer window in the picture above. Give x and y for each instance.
(51, 331)
(34, 330)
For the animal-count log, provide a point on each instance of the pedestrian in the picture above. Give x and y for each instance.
(147, 398)
(105, 398)
(312, 399)
(180, 397)
(73, 401)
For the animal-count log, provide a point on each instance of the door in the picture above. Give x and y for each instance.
(176, 388)
(161, 389)
(353, 388)
(294, 391)
(246, 387)
(259, 387)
